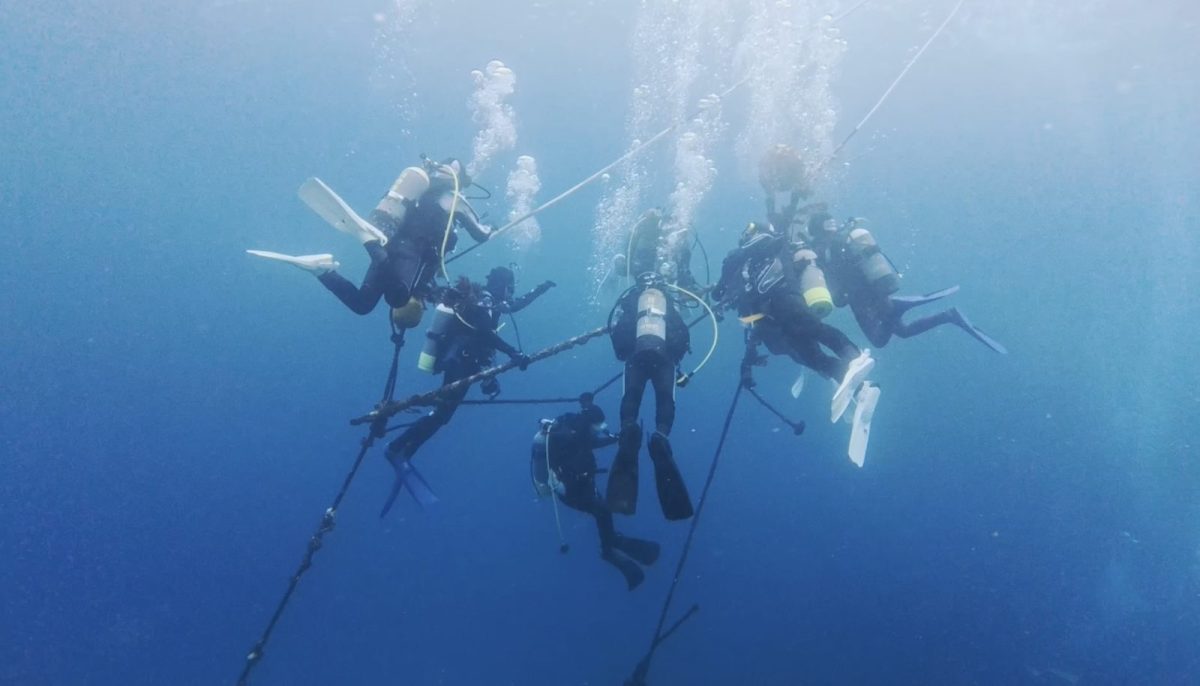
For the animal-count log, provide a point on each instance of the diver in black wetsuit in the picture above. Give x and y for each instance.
(562, 460)
(404, 268)
(404, 237)
(780, 292)
(656, 244)
(651, 338)
(864, 278)
(462, 341)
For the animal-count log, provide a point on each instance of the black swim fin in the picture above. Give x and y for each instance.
(975, 332)
(904, 303)
(408, 478)
(623, 477)
(672, 492)
(634, 576)
(643, 551)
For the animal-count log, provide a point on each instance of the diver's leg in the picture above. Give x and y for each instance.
(360, 300)
(876, 323)
(635, 380)
(837, 341)
(622, 489)
(808, 353)
(415, 436)
(915, 328)
(663, 379)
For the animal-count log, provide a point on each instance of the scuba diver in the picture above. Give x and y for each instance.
(656, 244)
(563, 465)
(651, 338)
(782, 174)
(780, 292)
(462, 340)
(406, 235)
(864, 278)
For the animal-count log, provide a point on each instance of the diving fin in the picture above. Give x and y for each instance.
(317, 264)
(975, 332)
(322, 200)
(622, 490)
(634, 576)
(672, 491)
(408, 478)
(642, 551)
(798, 385)
(856, 373)
(866, 400)
(904, 303)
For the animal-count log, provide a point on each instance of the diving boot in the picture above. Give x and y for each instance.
(623, 477)
(904, 303)
(634, 576)
(317, 264)
(672, 492)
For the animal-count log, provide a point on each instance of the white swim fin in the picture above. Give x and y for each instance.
(856, 373)
(322, 200)
(867, 398)
(317, 264)
(798, 385)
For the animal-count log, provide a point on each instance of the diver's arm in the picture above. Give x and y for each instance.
(464, 216)
(525, 300)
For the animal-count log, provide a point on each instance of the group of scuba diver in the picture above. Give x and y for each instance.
(785, 276)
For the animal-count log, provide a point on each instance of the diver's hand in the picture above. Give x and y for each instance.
(522, 361)
(544, 286)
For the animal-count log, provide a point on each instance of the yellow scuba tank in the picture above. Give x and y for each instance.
(874, 266)
(410, 185)
(409, 315)
(812, 284)
(651, 321)
(437, 338)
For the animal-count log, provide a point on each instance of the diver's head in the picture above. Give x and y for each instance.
(501, 283)
(591, 412)
(447, 169)
(754, 229)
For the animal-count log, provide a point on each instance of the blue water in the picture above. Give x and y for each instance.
(174, 414)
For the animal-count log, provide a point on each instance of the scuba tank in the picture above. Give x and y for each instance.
(437, 339)
(410, 185)
(812, 284)
(876, 269)
(651, 321)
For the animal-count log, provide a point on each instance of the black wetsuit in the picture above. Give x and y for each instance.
(572, 440)
(406, 266)
(874, 310)
(472, 350)
(655, 366)
(761, 278)
(570, 443)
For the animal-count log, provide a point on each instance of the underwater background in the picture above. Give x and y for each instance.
(174, 413)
